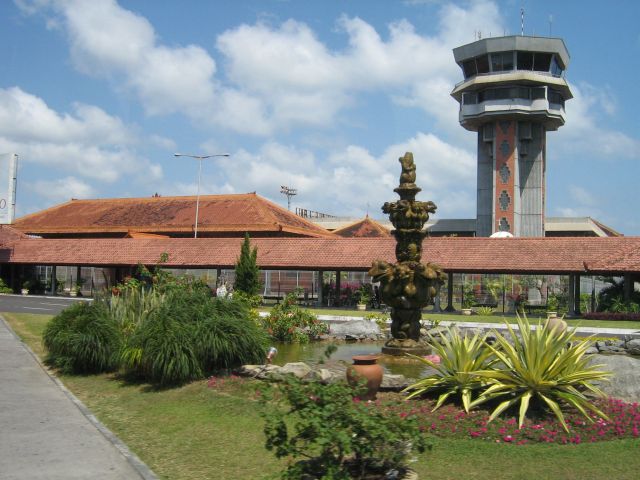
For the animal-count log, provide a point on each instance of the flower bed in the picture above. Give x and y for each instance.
(452, 422)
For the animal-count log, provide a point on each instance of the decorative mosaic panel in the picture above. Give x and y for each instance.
(504, 126)
(505, 173)
(504, 148)
(504, 201)
(504, 225)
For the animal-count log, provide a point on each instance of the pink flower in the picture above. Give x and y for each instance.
(433, 358)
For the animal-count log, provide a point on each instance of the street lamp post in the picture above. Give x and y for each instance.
(199, 158)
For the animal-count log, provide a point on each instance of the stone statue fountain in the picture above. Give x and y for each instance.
(408, 285)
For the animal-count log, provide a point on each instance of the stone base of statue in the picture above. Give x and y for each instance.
(399, 347)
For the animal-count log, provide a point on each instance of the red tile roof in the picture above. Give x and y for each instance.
(365, 228)
(217, 214)
(588, 255)
(9, 234)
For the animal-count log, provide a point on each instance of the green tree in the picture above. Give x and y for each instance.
(247, 271)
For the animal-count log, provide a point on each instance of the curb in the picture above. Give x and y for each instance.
(138, 465)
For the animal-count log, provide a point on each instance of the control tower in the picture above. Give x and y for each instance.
(513, 92)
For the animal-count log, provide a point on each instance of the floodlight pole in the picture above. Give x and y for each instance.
(200, 158)
(289, 192)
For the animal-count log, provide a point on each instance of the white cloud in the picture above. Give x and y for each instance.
(352, 178)
(109, 41)
(585, 132)
(276, 77)
(582, 196)
(89, 142)
(26, 116)
(62, 189)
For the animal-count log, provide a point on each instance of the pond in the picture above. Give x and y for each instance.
(313, 353)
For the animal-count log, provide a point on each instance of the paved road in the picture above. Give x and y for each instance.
(46, 433)
(35, 304)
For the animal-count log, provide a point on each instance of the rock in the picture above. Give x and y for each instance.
(612, 350)
(591, 350)
(393, 382)
(258, 371)
(633, 346)
(297, 369)
(358, 329)
(625, 381)
(470, 332)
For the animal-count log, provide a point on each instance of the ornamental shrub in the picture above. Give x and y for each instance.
(461, 356)
(83, 338)
(546, 366)
(328, 435)
(192, 334)
(287, 322)
(4, 288)
(247, 271)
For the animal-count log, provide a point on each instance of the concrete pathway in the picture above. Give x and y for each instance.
(46, 433)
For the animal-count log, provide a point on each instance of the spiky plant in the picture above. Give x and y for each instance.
(547, 365)
(461, 356)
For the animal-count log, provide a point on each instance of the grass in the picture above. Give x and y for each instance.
(497, 317)
(201, 431)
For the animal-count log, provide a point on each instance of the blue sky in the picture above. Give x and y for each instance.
(323, 96)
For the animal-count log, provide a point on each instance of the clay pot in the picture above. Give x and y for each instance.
(365, 367)
(557, 324)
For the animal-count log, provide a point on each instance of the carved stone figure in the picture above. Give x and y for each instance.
(407, 286)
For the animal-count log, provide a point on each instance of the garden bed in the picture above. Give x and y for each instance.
(211, 429)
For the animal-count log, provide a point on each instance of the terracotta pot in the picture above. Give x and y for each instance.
(557, 324)
(365, 368)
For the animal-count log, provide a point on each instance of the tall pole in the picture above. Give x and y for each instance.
(195, 229)
(288, 192)
(200, 158)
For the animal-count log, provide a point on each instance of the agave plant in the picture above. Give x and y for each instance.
(461, 356)
(547, 364)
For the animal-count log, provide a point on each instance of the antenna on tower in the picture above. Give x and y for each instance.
(289, 192)
(522, 21)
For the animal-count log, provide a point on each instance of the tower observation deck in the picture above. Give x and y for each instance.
(513, 92)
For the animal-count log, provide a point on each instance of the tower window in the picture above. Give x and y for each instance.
(525, 60)
(504, 201)
(469, 68)
(482, 64)
(556, 97)
(501, 61)
(538, 93)
(555, 68)
(542, 62)
(469, 98)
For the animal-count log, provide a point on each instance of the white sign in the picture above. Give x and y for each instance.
(8, 172)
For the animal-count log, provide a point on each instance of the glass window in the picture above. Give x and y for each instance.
(525, 60)
(556, 97)
(501, 61)
(520, 92)
(469, 98)
(555, 68)
(537, 93)
(507, 61)
(542, 62)
(469, 68)
(482, 64)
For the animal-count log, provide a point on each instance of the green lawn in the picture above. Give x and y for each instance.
(497, 317)
(198, 432)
